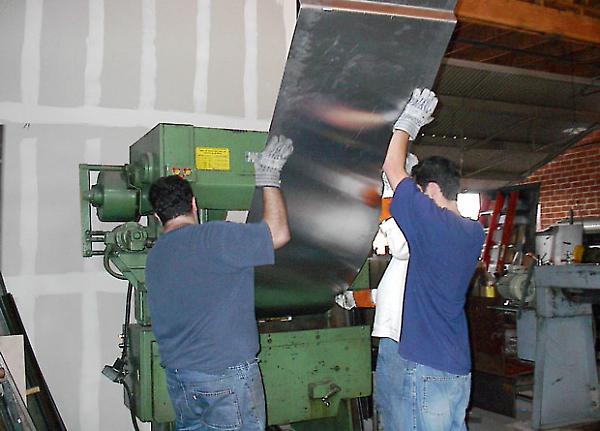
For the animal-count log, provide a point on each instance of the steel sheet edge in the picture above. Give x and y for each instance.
(351, 68)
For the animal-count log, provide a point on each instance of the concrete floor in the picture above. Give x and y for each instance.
(483, 420)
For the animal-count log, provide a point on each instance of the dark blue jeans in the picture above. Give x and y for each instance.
(414, 397)
(229, 400)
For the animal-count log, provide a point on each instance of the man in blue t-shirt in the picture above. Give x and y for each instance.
(424, 381)
(200, 280)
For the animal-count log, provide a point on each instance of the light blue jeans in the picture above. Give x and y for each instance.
(229, 400)
(413, 397)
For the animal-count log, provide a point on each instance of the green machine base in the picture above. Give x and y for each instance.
(309, 376)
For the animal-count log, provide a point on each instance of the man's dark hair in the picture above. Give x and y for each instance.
(441, 171)
(171, 197)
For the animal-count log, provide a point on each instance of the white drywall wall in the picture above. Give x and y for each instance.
(80, 81)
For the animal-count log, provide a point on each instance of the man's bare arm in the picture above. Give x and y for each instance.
(395, 158)
(415, 115)
(275, 216)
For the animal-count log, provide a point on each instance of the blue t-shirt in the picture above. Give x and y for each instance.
(200, 281)
(444, 250)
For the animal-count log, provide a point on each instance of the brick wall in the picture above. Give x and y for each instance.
(571, 181)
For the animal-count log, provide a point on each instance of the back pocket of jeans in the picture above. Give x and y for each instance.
(218, 409)
(438, 393)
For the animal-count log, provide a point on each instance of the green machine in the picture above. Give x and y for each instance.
(315, 367)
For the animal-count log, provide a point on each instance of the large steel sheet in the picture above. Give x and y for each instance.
(351, 68)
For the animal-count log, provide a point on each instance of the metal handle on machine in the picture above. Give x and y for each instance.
(333, 389)
(323, 391)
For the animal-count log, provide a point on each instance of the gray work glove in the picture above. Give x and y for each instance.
(417, 112)
(411, 162)
(388, 192)
(268, 164)
(345, 300)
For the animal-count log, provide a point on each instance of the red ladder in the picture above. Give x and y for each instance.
(495, 225)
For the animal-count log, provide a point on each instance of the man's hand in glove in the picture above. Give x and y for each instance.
(268, 164)
(417, 112)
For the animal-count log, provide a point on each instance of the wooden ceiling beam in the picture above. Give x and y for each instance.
(581, 9)
(520, 15)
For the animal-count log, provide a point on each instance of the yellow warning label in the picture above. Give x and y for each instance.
(212, 159)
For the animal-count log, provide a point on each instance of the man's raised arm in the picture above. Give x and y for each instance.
(267, 167)
(415, 115)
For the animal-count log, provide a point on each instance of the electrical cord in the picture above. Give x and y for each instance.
(118, 371)
(107, 264)
(130, 396)
(131, 399)
(123, 371)
(126, 323)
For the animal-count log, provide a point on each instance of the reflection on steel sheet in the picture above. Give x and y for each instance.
(351, 68)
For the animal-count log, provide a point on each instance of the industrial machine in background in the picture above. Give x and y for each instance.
(571, 240)
(555, 325)
(534, 334)
(566, 390)
(555, 331)
(313, 364)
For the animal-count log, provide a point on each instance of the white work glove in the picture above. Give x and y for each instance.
(417, 112)
(345, 300)
(380, 243)
(389, 235)
(387, 192)
(268, 164)
(396, 241)
(411, 162)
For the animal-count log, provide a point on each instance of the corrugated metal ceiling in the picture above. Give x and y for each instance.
(501, 123)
